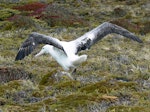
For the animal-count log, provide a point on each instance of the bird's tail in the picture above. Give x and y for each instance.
(80, 60)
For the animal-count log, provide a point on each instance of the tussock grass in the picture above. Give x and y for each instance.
(116, 76)
(116, 67)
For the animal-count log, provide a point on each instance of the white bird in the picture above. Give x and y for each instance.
(65, 53)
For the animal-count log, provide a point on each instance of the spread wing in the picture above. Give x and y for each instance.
(33, 41)
(93, 36)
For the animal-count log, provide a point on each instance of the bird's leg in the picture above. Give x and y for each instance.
(74, 71)
(59, 74)
(68, 74)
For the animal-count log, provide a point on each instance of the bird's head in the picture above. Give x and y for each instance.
(45, 50)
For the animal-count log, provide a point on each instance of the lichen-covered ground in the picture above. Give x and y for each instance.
(115, 78)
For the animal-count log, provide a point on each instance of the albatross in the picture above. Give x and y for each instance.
(66, 53)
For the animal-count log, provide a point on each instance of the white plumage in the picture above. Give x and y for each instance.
(67, 62)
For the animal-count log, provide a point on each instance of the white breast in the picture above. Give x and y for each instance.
(61, 58)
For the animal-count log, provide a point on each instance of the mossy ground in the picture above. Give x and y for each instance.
(115, 78)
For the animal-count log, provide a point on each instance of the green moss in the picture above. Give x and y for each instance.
(5, 88)
(101, 87)
(74, 100)
(106, 87)
(12, 108)
(68, 85)
(6, 25)
(2, 101)
(142, 96)
(33, 107)
(130, 85)
(128, 109)
(48, 79)
(71, 102)
(49, 101)
(9, 45)
(6, 13)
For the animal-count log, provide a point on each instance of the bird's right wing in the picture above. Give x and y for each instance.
(34, 40)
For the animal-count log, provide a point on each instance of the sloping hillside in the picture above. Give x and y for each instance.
(115, 78)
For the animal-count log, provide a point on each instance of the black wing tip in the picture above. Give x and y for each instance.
(19, 56)
(137, 39)
(132, 35)
(140, 41)
(17, 59)
(23, 52)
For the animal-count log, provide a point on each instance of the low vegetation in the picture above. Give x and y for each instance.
(115, 78)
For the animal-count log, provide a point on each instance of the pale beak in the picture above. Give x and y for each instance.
(40, 53)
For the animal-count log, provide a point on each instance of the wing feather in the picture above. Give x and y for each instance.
(93, 36)
(33, 41)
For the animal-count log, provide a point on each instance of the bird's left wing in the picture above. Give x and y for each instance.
(93, 36)
(33, 41)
